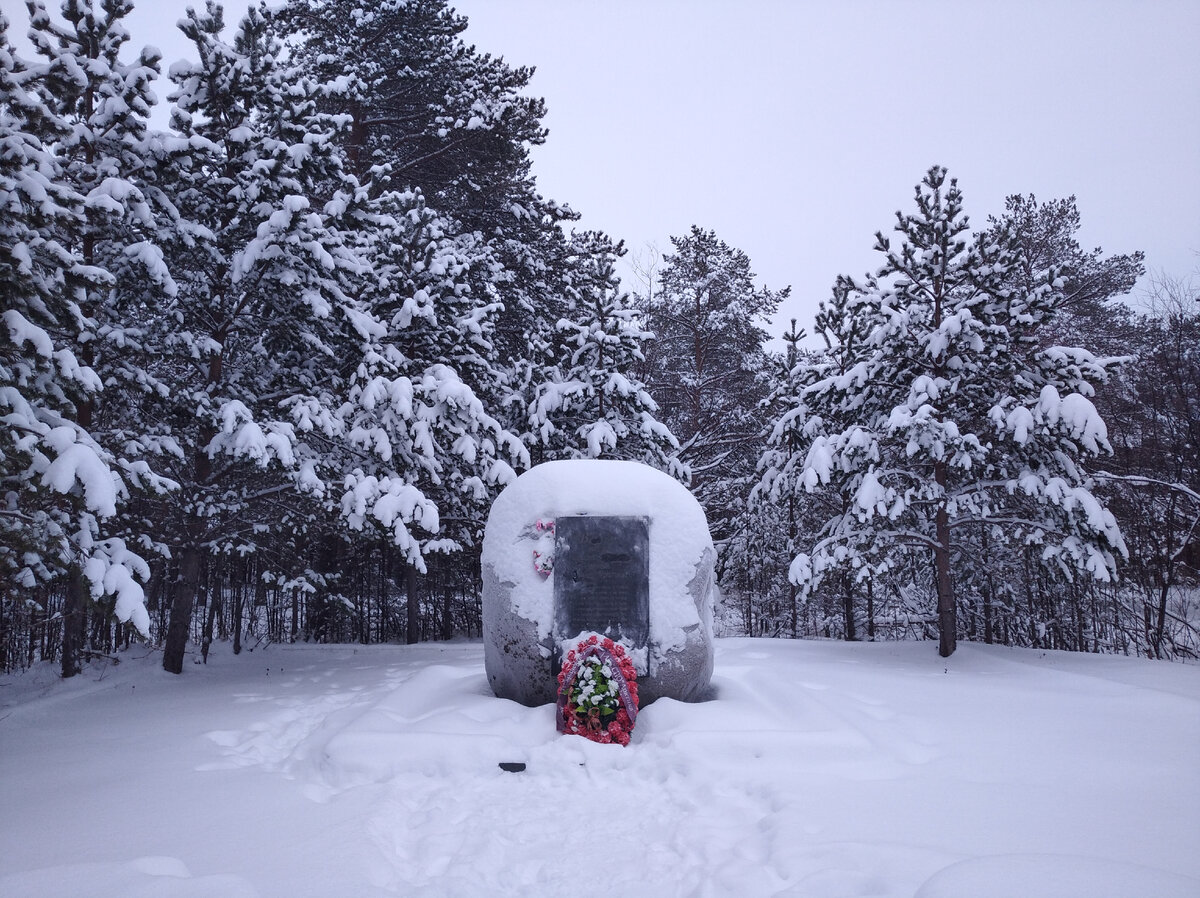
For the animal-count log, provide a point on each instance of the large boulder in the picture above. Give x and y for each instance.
(525, 613)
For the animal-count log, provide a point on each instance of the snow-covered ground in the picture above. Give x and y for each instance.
(819, 769)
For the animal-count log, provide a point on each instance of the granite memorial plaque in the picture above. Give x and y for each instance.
(602, 577)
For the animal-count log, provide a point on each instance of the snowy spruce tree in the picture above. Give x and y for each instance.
(939, 409)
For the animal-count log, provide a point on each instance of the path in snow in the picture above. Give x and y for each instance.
(821, 769)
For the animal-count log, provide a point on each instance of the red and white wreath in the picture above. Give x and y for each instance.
(597, 691)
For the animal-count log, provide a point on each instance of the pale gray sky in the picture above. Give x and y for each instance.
(795, 130)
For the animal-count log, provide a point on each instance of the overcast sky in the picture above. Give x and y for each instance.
(795, 130)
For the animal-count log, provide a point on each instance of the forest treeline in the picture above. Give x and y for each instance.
(262, 372)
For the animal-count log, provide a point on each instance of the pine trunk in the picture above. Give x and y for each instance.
(947, 617)
(871, 610)
(848, 608)
(74, 623)
(414, 619)
(188, 586)
(214, 607)
(793, 592)
(186, 590)
(239, 602)
(1160, 623)
(989, 634)
(447, 604)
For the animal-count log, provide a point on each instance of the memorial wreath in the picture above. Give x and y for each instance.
(597, 691)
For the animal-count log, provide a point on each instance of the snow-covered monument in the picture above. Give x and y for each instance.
(611, 547)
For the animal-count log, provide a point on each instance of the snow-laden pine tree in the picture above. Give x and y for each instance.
(429, 111)
(422, 444)
(68, 121)
(1046, 235)
(255, 334)
(782, 463)
(588, 403)
(1009, 597)
(105, 100)
(942, 410)
(776, 517)
(707, 367)
(1154, 475)
(433, 114)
